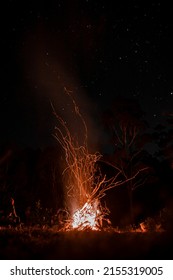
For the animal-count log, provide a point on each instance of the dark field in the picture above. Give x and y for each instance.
(49, 244)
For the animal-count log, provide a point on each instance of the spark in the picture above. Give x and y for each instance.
(85, 185)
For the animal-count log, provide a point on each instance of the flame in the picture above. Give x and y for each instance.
(84, 189)
(87, 217)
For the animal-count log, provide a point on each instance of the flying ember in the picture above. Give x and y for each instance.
(83, 181)
(83, 187)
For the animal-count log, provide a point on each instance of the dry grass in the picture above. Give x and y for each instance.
(36, 243)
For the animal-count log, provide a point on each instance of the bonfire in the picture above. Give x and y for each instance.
(85, 186)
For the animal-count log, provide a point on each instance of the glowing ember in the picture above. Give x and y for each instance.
(87, 217)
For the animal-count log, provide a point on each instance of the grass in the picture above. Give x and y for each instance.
(37, 243)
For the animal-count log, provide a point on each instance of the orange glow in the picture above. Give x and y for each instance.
(84, 183)
(82, 187)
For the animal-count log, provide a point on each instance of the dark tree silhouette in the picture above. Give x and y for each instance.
(128, 137)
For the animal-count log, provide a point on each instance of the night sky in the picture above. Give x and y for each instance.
(98, 49)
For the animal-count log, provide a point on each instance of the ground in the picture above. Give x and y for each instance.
(32, 243)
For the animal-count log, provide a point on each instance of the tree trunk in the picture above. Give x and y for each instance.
(131, 203)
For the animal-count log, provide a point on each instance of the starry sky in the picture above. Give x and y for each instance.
(99, 49)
